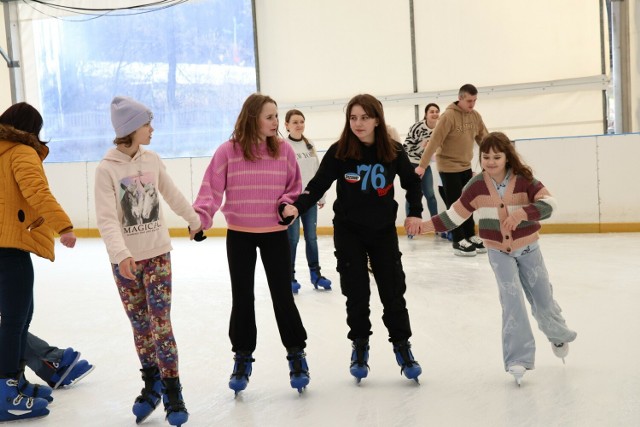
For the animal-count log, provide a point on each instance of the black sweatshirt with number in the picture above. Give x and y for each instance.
(364, 188)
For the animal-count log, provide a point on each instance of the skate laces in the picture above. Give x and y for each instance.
(297, 365)
(360, 350)
(405, 353)
(242, 364)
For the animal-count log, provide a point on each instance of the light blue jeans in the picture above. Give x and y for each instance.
(427, 189)
(309, 223)
(526, 273)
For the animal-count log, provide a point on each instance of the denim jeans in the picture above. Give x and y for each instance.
(309, 222)
(519, 277)
(427, 190)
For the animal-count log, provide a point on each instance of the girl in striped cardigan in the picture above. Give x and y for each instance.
(509, 202)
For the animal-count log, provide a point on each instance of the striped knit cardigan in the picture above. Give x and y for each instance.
(526, 201)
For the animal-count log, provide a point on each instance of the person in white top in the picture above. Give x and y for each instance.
(129, 181)
(308, 162)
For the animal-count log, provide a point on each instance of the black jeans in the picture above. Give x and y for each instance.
(276, 259)
(16, 307)
(453, 183)
(353, 245)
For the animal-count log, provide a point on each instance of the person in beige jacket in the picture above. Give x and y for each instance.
(459, 127)
(30, 216)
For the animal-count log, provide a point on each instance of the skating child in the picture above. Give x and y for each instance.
(256, 172)
(510, 202)
(29, 218)
(128, 183)
(364, 163)
(308, 162)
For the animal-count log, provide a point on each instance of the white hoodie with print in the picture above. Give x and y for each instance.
(128, 211)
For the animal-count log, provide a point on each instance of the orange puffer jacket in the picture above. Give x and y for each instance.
(29, 214)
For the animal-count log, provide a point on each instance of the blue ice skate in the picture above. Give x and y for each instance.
(33, 390)
(360, 359)
(173, 402)
(408, 365)
(241, 371)
(298, 369)
(15, 406)
(149, 398)
(295, 286)
(318, 280)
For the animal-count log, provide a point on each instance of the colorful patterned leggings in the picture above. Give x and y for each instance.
(147, 303)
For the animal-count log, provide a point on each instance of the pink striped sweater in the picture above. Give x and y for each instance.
(252, 190)
(529, 202)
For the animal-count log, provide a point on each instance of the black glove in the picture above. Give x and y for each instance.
(285, 221)
(199, 236)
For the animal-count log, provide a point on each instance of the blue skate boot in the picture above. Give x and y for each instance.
(408, 366)
(63, 368)
(150, 395)
(360, 359)
(32, 390)
(295, 286)
(298, 368)
(15, 406)
(173, 402)
(318, 280)
(241, 371)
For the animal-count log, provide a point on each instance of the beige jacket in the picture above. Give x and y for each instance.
(452, 139)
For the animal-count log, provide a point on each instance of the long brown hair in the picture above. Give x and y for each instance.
(500, 143)
(349, 145)
(308, 143)
(245, 131)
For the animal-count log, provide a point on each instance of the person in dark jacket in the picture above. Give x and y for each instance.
(364, 163)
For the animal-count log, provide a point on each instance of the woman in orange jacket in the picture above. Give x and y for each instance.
(29, 218)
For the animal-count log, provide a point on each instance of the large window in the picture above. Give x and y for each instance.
(193, 64)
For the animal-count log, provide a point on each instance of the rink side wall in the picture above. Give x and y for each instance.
(590, 176)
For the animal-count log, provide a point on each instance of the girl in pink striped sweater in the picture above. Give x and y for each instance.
(256, 172)
(510, 202)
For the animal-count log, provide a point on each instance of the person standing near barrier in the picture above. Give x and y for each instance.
(452, 143)
(294, 122)
(414, 144)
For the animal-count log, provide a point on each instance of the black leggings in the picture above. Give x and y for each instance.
(276, 259)
(453, 183)
(16, 308)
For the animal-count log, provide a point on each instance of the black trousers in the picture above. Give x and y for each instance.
(276, 259)
(353, 246)
(16, 307)
(453, 183)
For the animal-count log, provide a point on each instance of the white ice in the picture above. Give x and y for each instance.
(455, 316)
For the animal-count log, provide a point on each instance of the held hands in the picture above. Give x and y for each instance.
(288, 213)
(68, 239)
(197, 235)
(127, 268)
(413, 225)
(420, 171)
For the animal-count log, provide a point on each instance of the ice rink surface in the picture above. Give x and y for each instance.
(455, 315)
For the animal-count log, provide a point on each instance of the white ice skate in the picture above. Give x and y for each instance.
(518, 372)
(560, 350)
